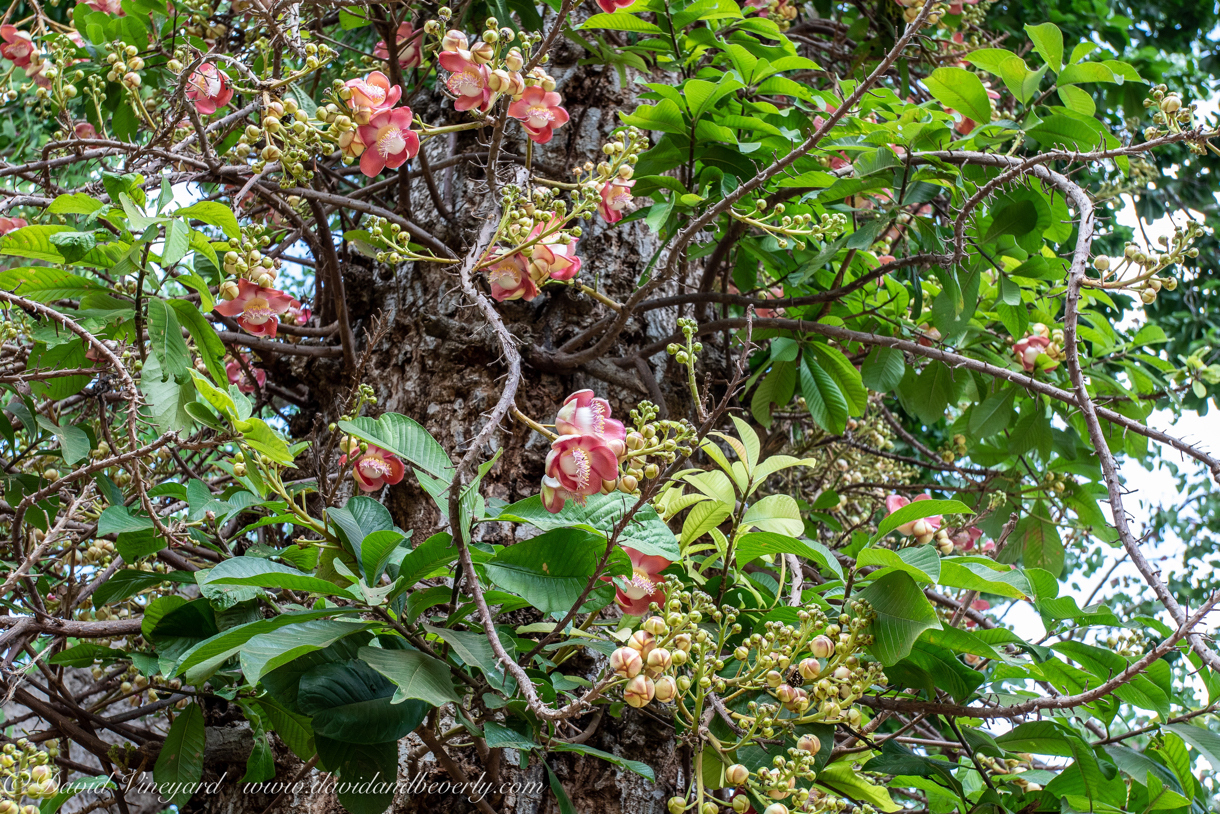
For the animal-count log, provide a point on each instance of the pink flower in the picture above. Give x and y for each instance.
(408, 42)
(18, 45)
(108, 6)
(551, 259)
(467, 81)
(928, 336)
(375, 468)
(580, 464)
(209, 89)
(611, 6)
(922, 529)
(1028, 349)
(35, 71)
(390, 139)
(539, 112)
(84, 130)
(510, 279)
(11, 225)
(297, 315)
(257, 309)
(616, 195)
(238, 376)
(966, 538)
(644, 587)
(371, 96)
(584, 414)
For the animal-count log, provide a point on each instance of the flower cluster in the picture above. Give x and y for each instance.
(481, 73)
(584, 458)
(547, 253)
(209, 89)
(646, 585)
(409, 42)
(1039, 342)
(238, 376)
(250, 299)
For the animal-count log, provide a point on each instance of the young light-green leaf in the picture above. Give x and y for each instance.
(961, 90)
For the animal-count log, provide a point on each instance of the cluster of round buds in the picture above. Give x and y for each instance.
(99, 552)
(1169, 112)
(1056, 482)
(26, 772)
(1129, 645)
(652, 445)
(782, 226)
(953, 448)
(912, 8)
(245, 259)
(648, 660)
(621, 153)
(1140, 269)
(125, 65)
(286, 136)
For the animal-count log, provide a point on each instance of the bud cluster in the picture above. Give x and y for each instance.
(26, 772)
(774, 221)
(1140, 269)
(245, 259)
(653, 444)
(1170, 115)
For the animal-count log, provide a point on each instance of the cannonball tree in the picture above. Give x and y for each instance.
(631, 406)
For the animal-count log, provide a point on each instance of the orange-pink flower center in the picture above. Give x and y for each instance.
(257, 311)
(465, 83)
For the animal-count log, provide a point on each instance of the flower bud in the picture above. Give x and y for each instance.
(454, 40)
(822, 647)
(658, 661)
(655, 625)
(642, 642)
(626, 662)
(809, 743)
(628, 484)
(665, 689)
(741, 803)
(639, 691)
(682, 642)
(776, 808)
(482, 53)
(514, 61)
(1171, 103)
(809, 669)
(737, 775)
(676, 805)
(709, 808)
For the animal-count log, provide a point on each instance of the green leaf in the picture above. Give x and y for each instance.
(177, 242)
(205, 658)
(268, 651)
(405, 438)
(259, 435)
(1205, 742)
(993, 414)
(920, 562)
(165, 340)
(1014, 217)
(375, 552)
(903, 612)
(917, 510)
(1048, 42)
(417, 675)
(73, 245)
(843, 779)
(825, 400)
(43, 284)
(351, 702)
(1041, 546)
(66, 792)
(213, 213)
(757, 544)
(961, 90)
(424, 559)
(1065, 131)
(263, 573)
(961, 572)
(211, 349)
(845, 375)
(179, 766)
(620, 21)
(883, 369)
(776, 513)
(647, 533)
(551, 570)
(368, 773)
(639, 767)
(1086, 72)
(349, 21)
(74, 203)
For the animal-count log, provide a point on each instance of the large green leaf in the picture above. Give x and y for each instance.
(646, 533)
(1048, 42)
(917, 510)
(268, 651)
(405, 438)
(825, 400)
(263, 573)
(204, 658)
(368, 773)
(903, 612)
(213, 213)
(757, 544)
(165, 340)
(351, 702)
(179, 766)
(552, 569)
(961, 90)
(416, 674)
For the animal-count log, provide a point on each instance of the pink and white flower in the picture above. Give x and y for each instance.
(84, 130)
(616, 196)
(467, 80)
(510, 279)
(209, 89)
(1028, 350)
(922, 529)
(645, 585)
(583, 413)
(611, 6)
(351, 144)
(390, 141)
(372, 95)
(257, 309)
(374, 468)
(580, 464)
(409, 51)
(539, 112)
(18, 45)
(297, 315)
(550, 258)
(11, 225)
(107, 6)
(238, 376)
(966, 539)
